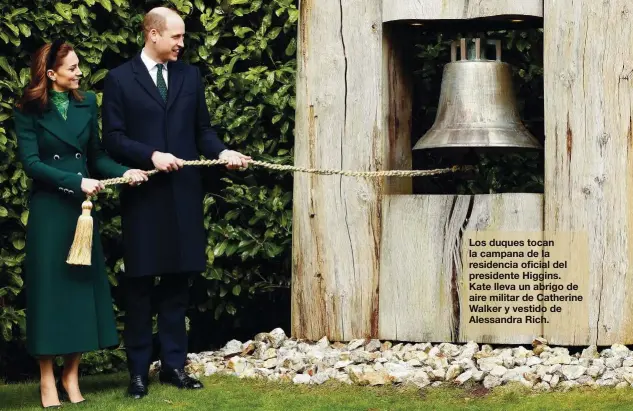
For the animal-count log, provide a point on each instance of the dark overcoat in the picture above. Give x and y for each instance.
(162, 219)
(69, 308)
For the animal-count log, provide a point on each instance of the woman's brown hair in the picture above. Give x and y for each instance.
(36, 96)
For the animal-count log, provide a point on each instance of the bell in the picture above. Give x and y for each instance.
(477, 108)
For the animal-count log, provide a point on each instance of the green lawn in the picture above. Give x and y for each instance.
(228, 393)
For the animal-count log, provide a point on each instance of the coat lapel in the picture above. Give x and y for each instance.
(79, 115)
(175, 79)
(67, 130)
(145, 80)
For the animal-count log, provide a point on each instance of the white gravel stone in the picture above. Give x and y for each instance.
(614, 362)
(491, 381)
(498, 371)
(275, 357)
(478, 376)
(465, 376)
(573, 372)
(355, 344)
(232, 347)
(301, 379)
(452, 372)
(210, 369)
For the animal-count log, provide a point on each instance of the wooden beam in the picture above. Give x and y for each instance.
(588, 64)
(421, 262)
(458, 9)
(398, 109)
(339, 125)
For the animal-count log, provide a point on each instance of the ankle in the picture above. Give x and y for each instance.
(69, 378)
(71, 386)
(47, 383)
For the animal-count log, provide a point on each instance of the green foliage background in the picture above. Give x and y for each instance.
(246, 50)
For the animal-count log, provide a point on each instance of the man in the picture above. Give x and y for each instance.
(155, 116)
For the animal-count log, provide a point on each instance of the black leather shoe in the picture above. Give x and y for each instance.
(179, 378)
(138, 386)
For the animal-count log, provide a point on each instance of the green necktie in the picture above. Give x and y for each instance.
(160, 82)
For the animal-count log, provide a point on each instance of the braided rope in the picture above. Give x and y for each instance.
(281, 167)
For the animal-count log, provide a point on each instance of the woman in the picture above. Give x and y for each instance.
(69, 308)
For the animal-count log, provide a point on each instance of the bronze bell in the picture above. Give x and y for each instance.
(477, 107)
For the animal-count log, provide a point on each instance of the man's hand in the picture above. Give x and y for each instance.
(166, 162)
(137, 176)
(234, 159)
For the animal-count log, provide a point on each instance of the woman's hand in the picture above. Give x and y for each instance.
(137, 176)
(90, 186)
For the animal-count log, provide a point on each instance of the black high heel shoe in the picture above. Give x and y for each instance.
(61, 391)
(63, 394)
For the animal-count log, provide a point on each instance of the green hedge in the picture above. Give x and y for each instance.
(246, 49)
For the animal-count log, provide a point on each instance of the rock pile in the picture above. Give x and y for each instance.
(274, 356)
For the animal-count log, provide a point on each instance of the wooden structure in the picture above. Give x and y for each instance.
(589, 154)
(370, 259)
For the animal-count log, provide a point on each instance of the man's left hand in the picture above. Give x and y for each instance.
(234, 159)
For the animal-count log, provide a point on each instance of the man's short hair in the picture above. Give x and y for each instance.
(155, 20)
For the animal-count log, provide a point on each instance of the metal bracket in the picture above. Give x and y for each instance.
(477, 49)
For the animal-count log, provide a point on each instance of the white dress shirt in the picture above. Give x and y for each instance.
(152, 67)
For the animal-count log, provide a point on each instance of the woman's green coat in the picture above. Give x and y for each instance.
(69, 308)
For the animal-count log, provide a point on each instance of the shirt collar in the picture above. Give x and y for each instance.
(149, 63)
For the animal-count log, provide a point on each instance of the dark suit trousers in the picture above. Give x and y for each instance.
(171, 300)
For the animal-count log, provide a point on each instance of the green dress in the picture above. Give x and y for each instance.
(68, 308)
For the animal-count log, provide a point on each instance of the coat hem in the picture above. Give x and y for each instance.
(73, 350)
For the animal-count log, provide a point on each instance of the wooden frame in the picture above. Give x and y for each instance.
(394, 10)
(357, 244)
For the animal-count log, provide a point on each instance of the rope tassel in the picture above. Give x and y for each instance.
(81, 249)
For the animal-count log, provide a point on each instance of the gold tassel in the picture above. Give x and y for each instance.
(81, 249)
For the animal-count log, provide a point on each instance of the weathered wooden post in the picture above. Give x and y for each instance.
(340, 125)
(588, 72)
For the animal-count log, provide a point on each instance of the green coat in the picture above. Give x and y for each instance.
(69, 308)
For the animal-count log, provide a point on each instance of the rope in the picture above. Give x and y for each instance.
(81, 249)
(282, 167)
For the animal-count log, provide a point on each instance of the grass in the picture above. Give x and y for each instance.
(222, 393)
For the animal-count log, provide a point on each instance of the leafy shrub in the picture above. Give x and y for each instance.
(246, 51)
